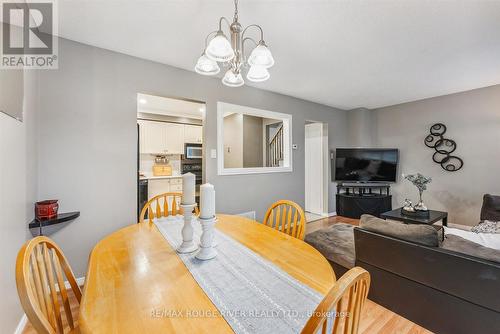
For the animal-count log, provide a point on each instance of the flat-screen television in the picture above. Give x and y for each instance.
(366, 164)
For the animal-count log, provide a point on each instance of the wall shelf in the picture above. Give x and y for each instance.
(60, 218)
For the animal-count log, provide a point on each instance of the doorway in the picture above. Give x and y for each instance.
(316, 170)
(169, 144)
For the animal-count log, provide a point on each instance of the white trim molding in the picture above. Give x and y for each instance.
(331, 214)
(226, 108)
(22, 323)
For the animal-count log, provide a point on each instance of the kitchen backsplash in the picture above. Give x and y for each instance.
(148, 160)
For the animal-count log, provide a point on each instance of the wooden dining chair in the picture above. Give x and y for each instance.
(342, 305)
(41, 270)
(163, 205)
(287, 217)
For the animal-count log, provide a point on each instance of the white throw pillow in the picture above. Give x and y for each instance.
(490, 240)
(487, 226)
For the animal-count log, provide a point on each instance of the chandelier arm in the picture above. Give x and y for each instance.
(225, 20)
(243, 46)
(208, 36)
(256, 26)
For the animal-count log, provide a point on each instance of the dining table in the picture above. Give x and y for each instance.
(134, 276)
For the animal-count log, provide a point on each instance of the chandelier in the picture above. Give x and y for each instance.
(231, 54)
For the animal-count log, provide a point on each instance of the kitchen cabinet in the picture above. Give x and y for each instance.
(161, 186)
(193, 134)
(152, 136)
(161, 137)
(175, 138)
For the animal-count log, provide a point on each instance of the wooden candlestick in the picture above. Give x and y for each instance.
(207, 250)
(188, 245)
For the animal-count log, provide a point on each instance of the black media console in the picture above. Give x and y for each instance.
(354, 199)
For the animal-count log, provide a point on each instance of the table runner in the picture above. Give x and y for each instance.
(250, 292)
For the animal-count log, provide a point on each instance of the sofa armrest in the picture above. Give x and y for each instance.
(460, 275)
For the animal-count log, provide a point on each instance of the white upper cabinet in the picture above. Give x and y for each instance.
(161, 137)
(193, 134)
(175, 138)
(153, 137)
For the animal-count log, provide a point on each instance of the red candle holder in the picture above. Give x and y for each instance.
(46, 209)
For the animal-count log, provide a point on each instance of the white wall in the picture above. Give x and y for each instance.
(473, 121)
(87, 140)
(17, 194)
(233, 141)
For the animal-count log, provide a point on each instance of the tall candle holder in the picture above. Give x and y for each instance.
(207, 250)
(188, 245)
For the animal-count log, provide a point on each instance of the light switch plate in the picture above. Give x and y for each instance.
(213, 153)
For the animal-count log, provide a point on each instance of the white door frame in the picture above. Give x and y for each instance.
(324, 179)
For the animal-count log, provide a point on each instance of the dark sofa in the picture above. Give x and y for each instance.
(442, 290)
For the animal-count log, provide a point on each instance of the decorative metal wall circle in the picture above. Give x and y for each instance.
(443, 147)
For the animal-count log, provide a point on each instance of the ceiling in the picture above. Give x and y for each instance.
(165, 106)
(346, 54)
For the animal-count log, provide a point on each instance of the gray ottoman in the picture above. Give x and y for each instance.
(336, 243)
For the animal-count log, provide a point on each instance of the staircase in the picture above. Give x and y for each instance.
(275, 152)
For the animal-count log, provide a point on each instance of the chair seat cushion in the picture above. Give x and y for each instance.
(336, 243)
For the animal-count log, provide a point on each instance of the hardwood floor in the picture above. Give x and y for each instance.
(375, 319)
(325, 222)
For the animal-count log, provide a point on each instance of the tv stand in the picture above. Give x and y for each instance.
(354, 199)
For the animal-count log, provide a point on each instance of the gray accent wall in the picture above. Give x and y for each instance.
(473, 121)
(360, 126)
(87, 141)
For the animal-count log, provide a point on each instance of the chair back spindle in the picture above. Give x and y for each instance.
(287, 217)
(41, 271)
(340, 310)
(163, 205)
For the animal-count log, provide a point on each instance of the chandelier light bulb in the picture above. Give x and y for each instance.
(261, 56)
(232, 79)
(219, 49)
(258, 73)
(206, 66)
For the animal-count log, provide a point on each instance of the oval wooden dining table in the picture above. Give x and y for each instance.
(136, 283)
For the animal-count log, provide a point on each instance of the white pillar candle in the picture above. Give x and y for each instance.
(188, 188)
(207, 201)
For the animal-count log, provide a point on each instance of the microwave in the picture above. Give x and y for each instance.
(193, 151)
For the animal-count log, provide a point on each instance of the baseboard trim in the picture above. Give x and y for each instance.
(24, 319)
(331, 214)
(22, 323)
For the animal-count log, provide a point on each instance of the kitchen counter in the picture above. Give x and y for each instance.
(151, 177)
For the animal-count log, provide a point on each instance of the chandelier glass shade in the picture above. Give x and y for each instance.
(232, 79)
(206, 66)
(261, 56)
(219, 49)
(258, 73)
(230, 53)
